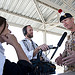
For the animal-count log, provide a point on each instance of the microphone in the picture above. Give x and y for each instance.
(62, 39)
(59, 43)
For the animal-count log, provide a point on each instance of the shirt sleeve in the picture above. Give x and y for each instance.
(64, 54)
(28, 53)
(2, 61)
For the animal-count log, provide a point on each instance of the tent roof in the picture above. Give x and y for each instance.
(42, 15)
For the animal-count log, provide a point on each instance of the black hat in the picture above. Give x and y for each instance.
(64, 15)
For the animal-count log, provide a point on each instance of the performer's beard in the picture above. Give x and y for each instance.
(29, 36)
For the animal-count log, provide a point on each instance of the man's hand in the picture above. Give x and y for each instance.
(69, 59)
(58, 60)
(10, 39)
(43, 47)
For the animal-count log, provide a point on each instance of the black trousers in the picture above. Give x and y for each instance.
(22, 67)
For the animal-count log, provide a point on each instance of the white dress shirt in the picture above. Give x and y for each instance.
(2, 59)
(29, 52)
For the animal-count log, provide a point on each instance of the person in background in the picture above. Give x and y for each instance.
(35, 53)
(23, 66)
(67, 58)
(31, 48)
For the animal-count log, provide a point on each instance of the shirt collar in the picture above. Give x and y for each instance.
(25, 39)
